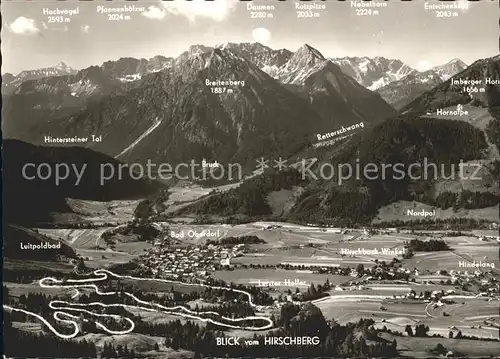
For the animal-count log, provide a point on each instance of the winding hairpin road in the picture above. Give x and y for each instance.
(63, 307)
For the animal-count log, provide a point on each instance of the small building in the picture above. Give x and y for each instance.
(225, 261)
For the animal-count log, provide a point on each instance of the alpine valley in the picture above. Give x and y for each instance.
(300, 259)
(238, 102)
(182, 119)
(445, 125)
(287, 99)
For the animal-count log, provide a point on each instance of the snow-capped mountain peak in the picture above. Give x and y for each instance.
(456, 60)
(11, 82)
(449, 69)
(63, 67)
(199, 49)
(223, 46)
(265, 58)
(309, 51)
(300, 65)
(373, 73)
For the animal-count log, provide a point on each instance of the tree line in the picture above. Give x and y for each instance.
(250, 198)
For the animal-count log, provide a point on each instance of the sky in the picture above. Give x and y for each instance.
(401, 30)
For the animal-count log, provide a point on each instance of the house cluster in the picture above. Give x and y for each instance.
(189, 262)
(488, 283)
(389, 272)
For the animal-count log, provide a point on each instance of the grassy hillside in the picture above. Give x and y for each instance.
(250, 198)
(493, 129)
(449, 94)
(14, 236)
(357, 200)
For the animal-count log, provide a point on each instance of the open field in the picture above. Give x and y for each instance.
(252, 276)
(477, 116)
(414, 311)
(220, 231)
(465, 239)
(18, 289)
(96, 259)
(193, 192)
(436, 328)
(186, 193)
(28, 326)
(17, 264)
(395, 315)
(133, 248)
(285, 257)
(181, 196)
(397, 210)
(398, 289)
(102, 212)
(430, 262)
(77, 238)
(201, 304)
(138, 342)
(470, 240)
(485, 232)
(300, 245)
(161, 287)
(348, 310)
(469, 311)
(488, 183)
(487, 252)
(348, 306)
(282, 201)
(274, 238)
(421, 347)
(170, 353)
(84, 242)
(158, 317)
(246, 333)
(329, 239)
(289, 245)
(121, 211)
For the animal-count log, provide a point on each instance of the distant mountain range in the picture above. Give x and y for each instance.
(395, 81)
(449, 69)
(170, 114)
(15, 235)
(36, 200)
(124, 69)
(417, 133)
(379, 72)
(274, 104)
(131, 69)
(356, 201)
(398, 93)
(10, 81)
(449, 94)
(372, 73)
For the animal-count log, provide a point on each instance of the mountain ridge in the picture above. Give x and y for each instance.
(31, 200)
(372, 73)
(175, 107)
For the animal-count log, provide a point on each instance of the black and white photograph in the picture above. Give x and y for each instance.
(250, 179)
